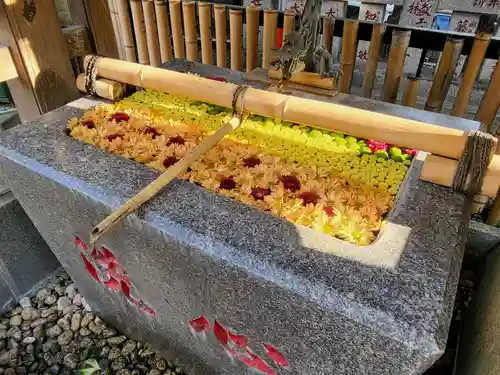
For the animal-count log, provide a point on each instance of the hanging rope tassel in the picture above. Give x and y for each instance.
(473, 163)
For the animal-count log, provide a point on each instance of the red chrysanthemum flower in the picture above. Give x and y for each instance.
(291, 183)
(119, 117)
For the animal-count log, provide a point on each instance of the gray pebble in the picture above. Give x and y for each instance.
(4, 358)
(51, 299)
(54, 331)
(71, 291)
(70, 309)
(114, 353)
(124, 372)
(29, 340)
(25, 302)
(27, 313)
(87, 318)
(154, 372)
(16, 320)
(39, 332)
(77, 299)
(161, 365)
(65, 338)
(101, 343)
(42, 294)
(3, 334)
(75, 321)
(128, 347)
(51, 346)
(97, 329)
(10, 371)
(3, 344)
(85, 332)
(117, 340)
(109, 332)
(64, 323)
(30, 349)
(70, 360)
(44, 313)
(21, 370)
(25, 326)
(38, 322)
(15, 333)
(53, 317)
(118, 364)
(105, 351)
(86, 342)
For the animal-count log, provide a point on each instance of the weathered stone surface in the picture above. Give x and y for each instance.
(328, 306)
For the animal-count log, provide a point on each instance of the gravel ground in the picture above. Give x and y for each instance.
(55, 332)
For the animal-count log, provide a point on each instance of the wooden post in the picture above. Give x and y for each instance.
(139, 31)
(373, 57)
(288, 23)
(176, 24)
(491, 100)
(252, 14)
(220, 34)
(8, 70)
(444, 74)
(395, 65)
(235, 35)
(269, 38)
(99, 16)
(190, 35)
(328, 24)
(348, 56)
(474, 62)
(40, 53)
(126, 30)
(411, 91)
(163, 30)
(151, 32)
(205, 15)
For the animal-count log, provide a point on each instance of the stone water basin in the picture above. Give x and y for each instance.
(227, 288)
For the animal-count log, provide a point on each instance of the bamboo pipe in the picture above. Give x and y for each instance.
(126, 30)
(411, 91)
(476, 58)
(176, 28)
(288, 23)
(269, 38)
(104, 88)
(116, 29)
(348, 56)
(148, 7)
(220, 34)
(163, 180)
(491, 100)
(139, 31)
(190, 35)
(163, 30)
(494, 215)
(305, 78)
(361, 123)
(252, 19)
(444, 74)
(205, 16)
(373, 57)
(395, 65)
(328, 23)
(236, 35)
(441, 171)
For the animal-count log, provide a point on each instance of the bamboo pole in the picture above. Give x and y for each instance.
(441, 171)
(164, 179)
(116, 29)
(139, 31)
(444, 74)
(126, 30)
(148, 7)
(269, 38)
(288, 23)
(252, 20)
(236, 35)
(163, 30)
(395, 65)
(348, 56)
(190, 35)
(474, 62)
(205, 15)
(491, 100)
(305, 78)
(373, 57)
(176, 28)
(104, 88)
(328, 23)
(360, 123)
(411, 91)
(220, 34)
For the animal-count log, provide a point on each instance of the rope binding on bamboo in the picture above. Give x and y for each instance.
(91, 74)
(473, 163)
(239, 94)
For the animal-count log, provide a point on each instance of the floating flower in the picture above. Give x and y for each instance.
(227, 183)
(291, 183)
(178, 140)
(119, 117)
(171, 160)
(151, 130)
(89, 124)
(259, 193)
(309, 197)
(112, 137)
(251, 162)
